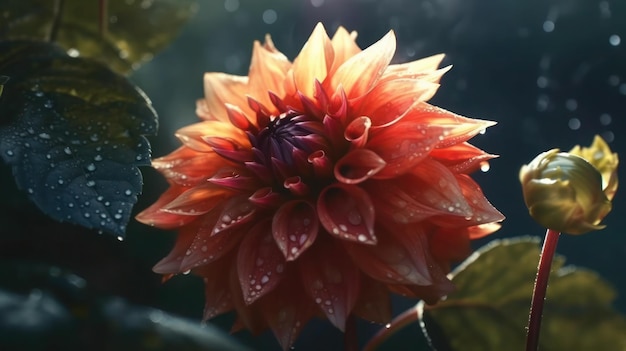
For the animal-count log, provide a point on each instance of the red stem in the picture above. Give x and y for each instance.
(407, 317)
(539, 292)
(103, 17)
(350, 337)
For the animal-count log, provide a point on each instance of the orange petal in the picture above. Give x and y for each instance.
(237, 211)
(393, 203)
(331, 279)
(170, 264)
(357, 131)
(313, 61)
(388, 101)
(268, 69)
(197, 200)
(217, 295)
(155, 216)
(260, 264)
(425, 68)
(344, 46)
(193, 136)
(295, 227)
(188, 167)
(221, 88)
(360, 72)
(461, 158)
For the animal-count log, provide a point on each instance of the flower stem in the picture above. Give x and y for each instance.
(407, 317)
(350, 337)
(539, 291)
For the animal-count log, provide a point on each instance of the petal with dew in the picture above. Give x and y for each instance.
(188, 167)
(198, 200)
(260, 264)
(238, 210)
(170, 264)
(360, 72)
(374, 303)
(398, 258)
(155, 216)
(313, 61)
(461, 158)
(347, 212)
(295, 227)
(217, 295)
(332, 282)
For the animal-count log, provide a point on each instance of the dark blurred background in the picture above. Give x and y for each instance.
(552, 73)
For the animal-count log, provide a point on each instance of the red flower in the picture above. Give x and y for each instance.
(319, 186)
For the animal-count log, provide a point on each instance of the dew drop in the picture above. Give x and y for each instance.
(91, 183)
(9, 152)
(362, 238)
(128, 192)
(354, 218)
(91, 167)
(44, 136)
(265, 279)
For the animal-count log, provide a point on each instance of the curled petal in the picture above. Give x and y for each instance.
(357, 166)
(260, 265)
(313, 61)
(266, 198)
(237, 211)
(157, 217)
(356, 132)
(238, 118)
(358, 74)
(322, 165)
(221, 88)
(332, 282)
(400, 257)
(347, 212)
(296, 186)
(197, 200)
(295, 226)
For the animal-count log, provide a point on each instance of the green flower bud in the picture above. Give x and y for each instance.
(566, 192)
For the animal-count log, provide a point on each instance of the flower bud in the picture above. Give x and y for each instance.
(571, 192)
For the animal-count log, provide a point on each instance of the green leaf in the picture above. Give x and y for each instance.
(489, 309)
(72, 130)
(135, 29)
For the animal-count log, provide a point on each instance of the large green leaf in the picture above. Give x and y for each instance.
(489, 309)
(72, 130)
(136, 29)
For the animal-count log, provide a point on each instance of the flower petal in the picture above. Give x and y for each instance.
(188, 167)
(193, 136)
(237, 211)
(424, 69)
(347, 212)
(344, 46)
(395, 203)
(461, 158)
(266, 198)
(356, 132)
(217, 296)
(170, 264)
(374, 303)
(268, 69)
(388, 101)
(221, 88)
(357, 166)
(197, 200)
(205, 247)
(332, 282)
(260, 264)
(359, 73)
(295, 226)
(399, 257)
(155, 216)
(234, 178)
(313, 61)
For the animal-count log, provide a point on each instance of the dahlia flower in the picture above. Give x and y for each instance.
(318, 187)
